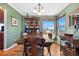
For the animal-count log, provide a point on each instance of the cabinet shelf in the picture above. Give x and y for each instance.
(33, 24)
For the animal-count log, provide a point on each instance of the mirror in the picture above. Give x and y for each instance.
(74, 23)
(74, 18)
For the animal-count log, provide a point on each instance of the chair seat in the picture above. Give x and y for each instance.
(46, 44)
(39, 51)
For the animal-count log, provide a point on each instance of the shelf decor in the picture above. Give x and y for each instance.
(14, 21)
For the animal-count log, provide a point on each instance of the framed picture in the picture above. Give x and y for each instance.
(14, 21)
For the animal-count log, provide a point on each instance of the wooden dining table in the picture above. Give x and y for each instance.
(46, 44)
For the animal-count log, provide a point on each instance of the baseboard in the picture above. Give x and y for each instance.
(11, 47)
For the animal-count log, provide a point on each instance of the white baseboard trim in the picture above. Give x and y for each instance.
(11, 47)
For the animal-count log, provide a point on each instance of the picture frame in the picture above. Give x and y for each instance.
(14, 21)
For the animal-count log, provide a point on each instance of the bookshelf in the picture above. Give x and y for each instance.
(32, 25)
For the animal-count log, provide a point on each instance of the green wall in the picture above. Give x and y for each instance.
(13, 32)
(71, 7)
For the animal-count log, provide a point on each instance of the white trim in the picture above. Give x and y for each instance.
(58, 39)
(5, 28)
(14, 8)
(11, 47)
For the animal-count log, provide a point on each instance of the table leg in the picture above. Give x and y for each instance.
(49, 50)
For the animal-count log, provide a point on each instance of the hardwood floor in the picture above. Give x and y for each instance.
(18, 51)
(15, 51)
(55, 50)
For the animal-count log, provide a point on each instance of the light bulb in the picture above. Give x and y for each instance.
(39, 13)
(42, 10)
(34, 11)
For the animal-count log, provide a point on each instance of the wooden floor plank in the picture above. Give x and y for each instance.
(18, 51)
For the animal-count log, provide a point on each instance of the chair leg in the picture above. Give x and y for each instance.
(24, 51)
(49, 50)
(42, 51)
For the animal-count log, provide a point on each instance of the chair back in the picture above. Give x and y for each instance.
(32, 41)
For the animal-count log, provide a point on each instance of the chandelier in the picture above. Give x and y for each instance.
(39, 9)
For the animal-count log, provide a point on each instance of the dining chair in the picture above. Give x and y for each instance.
(33, 46)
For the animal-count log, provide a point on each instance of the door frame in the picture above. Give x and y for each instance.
(5, 29)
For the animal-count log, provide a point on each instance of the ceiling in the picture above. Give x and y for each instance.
(49, 8)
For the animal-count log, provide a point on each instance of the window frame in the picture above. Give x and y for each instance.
(60, 31)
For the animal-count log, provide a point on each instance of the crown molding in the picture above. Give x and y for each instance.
(14, 8)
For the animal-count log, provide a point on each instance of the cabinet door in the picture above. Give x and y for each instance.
(1, 16)
(1, 41)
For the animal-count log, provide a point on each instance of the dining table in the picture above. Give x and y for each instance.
(46, 44)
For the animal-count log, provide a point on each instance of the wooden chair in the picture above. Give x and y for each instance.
(43, 44)
(32, 46)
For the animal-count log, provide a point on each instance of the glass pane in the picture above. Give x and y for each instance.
(62, 22)
(62, 28)
(48, 25)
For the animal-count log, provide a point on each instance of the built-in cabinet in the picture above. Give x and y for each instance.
(1, 40)
(1, 29)
(1, 16)
(32, 25)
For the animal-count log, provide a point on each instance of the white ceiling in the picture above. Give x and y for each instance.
(49, 8)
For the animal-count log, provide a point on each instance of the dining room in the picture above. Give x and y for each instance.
(39, 29)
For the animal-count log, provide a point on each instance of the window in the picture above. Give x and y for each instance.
(62, 22)
(48, 25)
